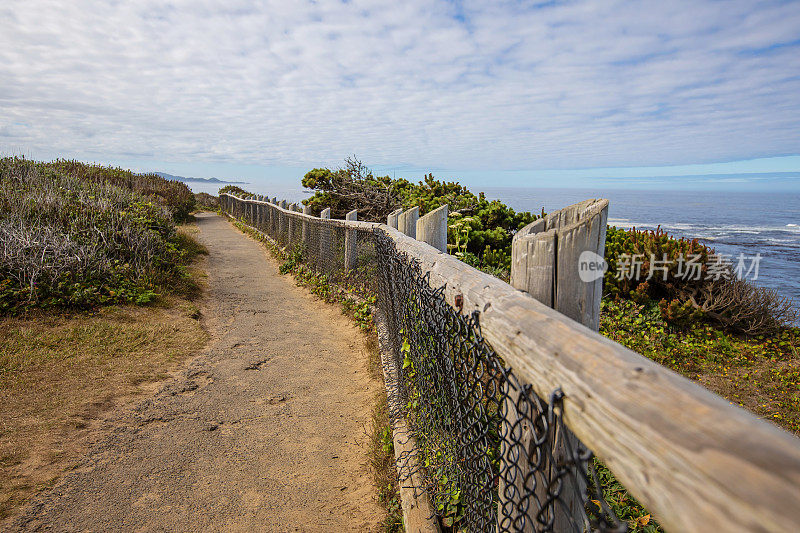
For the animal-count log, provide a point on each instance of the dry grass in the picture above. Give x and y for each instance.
(60, 375)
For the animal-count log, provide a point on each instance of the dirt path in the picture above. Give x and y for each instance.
(264, 431)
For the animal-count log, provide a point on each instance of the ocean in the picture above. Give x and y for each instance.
(733, 223)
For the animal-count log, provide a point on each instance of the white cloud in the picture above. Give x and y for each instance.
(433, 84)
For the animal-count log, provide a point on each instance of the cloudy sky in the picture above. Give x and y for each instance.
(512, 93)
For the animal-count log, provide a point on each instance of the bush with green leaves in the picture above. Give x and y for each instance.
(174, 195)
(484, 227)
(75, 242)
(480, 233)
(690, 283)
(234, 190)
(206, 201)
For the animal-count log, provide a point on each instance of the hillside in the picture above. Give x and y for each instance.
(76, 236)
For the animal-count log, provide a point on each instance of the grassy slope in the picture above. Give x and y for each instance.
(760, 374)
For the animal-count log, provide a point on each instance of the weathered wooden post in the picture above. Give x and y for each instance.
(282, 222)
(264, 213)
(558, 260)
(432, 228)
(407, 222)
(350, 244)
(325, 234)
(391, 219)
(306, 211)
(267, 215)
(273, 219)
(292, 225)
(548, 254)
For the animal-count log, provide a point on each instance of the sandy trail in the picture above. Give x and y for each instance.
(264, 431)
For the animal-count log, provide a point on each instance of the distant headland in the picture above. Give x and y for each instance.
(198, 180)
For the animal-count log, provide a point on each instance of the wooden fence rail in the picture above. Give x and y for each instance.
(693, 459)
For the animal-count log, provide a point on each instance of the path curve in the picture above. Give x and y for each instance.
(265, 431)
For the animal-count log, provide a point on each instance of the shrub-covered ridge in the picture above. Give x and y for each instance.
(70, 238)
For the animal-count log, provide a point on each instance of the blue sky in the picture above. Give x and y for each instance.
(609, 94)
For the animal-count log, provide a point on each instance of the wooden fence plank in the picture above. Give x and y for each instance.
(432, 228)
(407, 222)
(350, 245)
(688, 455)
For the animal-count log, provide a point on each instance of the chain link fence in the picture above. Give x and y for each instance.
(345, 255)
(492, 453)
(495, 456)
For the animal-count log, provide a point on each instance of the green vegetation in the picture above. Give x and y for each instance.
(483, 228)
(382, 460)
(733, 337)
(77, 236)
(233, 189)
(206, 201)
(622, 504)
(174, 195)
(760, 373)
(690, 284)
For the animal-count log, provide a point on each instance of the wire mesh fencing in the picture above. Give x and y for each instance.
(344, 255)
(493, 455)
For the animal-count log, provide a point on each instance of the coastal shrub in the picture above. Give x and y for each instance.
(690, 283)
(629, 253)
(174, 195)
(203, 200)
(71, 241)
(233, 189)
(485, 228)
(351, 187)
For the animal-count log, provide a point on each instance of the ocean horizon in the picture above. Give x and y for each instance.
(733, 223)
